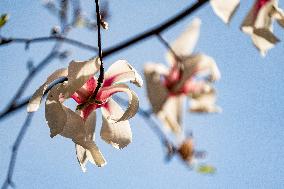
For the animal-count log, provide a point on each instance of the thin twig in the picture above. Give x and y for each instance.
(168, 46)
(9, 180)
(101, 76)
(49, 39)
(100, 80)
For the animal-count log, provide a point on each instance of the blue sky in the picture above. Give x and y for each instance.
(245, 142)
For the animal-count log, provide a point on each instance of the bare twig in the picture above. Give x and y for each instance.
(101, 76)
(8, 181)
(168, 46)
(49, 39)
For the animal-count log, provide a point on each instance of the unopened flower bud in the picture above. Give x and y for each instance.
(186, 150)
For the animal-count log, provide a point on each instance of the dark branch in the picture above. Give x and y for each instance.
(155, 30)
(6, 41)
(8, 181)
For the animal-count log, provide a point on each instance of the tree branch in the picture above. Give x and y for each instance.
(155, 30)
(8, 181)
(49, 39)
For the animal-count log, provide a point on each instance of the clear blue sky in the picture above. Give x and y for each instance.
(245, 142)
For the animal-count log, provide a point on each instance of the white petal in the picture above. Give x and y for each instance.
(79, 73)
(90, 152)
(207, 64)
(264, 39)
(198, 65)
(205, 102)
(133, 104)
(225, 8)
(118, 134)
(55, 115)
(156, 91)
(185, 43)
(171, 114)
(37, 96)
(122, 71)
(82, 157)
(259, 27)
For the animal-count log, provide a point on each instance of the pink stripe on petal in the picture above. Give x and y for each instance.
(110, 80)
(81, 95)
(106, 92)
(259, 4)
(90, 85)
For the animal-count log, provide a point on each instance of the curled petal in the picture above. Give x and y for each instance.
(207, 65)
(185, 43)
(122, 71)
(156, 90)
(204, 103)
(79, 73)
(171, 113)
(118, 134)
(133, 104)
(37, 96)
(225, 9)
(258, 24)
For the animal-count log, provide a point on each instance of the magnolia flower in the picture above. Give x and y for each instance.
(258, 24)
(80, 125)
(190, 75)
(225, 8)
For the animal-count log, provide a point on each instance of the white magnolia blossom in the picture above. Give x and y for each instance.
(80, 125)
(190, 75)
(258, 24)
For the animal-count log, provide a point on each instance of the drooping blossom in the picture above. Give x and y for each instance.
(190, 75)
(80, 125)
(259, 24)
